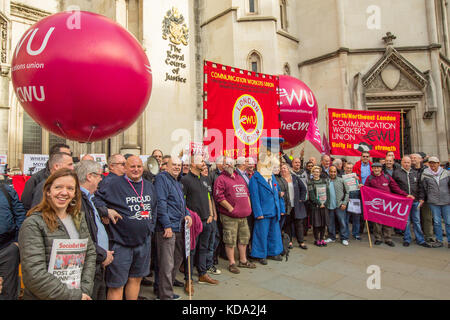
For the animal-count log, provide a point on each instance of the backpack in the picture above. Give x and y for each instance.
(285, 240)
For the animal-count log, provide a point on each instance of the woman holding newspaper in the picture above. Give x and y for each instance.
(54, 228)
(318, 189)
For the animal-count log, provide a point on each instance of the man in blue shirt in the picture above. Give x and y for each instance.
(89, 174)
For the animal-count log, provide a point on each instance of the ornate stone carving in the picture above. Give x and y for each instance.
(27, 12)
(377, 85)
(406, 85)
(389, 39)
(4, 40)
(393, 57)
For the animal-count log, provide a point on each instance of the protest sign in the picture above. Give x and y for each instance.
(354, 131)
(33, 163)
(385, 208)
(351, 181)
(240, 107)
(98, 157)
(187, 239)
(321, 190)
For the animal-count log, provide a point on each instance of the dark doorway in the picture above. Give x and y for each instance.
(405, 134)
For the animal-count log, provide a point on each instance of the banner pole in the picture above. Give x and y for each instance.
(368, 233)
(403, 135)
(189, 276)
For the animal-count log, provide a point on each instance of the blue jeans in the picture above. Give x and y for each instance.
(210, 259)
(414, 216)
(439, 213)
(341, 215)
(355, 223)
(205, 245)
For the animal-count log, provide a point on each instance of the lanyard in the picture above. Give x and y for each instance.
(142, 191)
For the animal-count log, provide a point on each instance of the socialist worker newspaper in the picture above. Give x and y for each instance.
(67, 260)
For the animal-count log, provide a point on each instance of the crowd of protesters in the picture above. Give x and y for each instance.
(135, 220)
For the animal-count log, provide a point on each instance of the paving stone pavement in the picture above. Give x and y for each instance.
(335, 272)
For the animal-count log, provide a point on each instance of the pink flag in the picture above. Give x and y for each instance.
(325, 145)
(385, 208)
(313, 134)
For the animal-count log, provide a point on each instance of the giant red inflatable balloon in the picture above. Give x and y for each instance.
(84, 82)
(298, 107)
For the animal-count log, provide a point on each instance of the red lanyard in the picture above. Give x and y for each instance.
(142, 191)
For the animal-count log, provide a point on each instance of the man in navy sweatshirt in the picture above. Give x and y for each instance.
(172, 214)
(134, 199)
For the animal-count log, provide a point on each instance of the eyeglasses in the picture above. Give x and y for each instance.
(119, 163)
(96, 173)
(164, 164)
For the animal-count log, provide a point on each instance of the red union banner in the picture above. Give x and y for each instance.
(240, 107)
(385, 208)
(353, 131)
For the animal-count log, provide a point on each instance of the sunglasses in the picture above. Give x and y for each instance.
(119, 163)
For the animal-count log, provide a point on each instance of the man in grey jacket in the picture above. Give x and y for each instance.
(337, 204)
(435, 184)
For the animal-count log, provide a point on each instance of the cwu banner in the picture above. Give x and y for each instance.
(240, 107)
(354, 131)
(385, 208)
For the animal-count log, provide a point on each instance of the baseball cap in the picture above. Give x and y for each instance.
(377, 164)
(433, 159)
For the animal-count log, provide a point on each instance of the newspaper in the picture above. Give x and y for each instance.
(351, 181)
(354, 206)
(67, 260)
(321, 190)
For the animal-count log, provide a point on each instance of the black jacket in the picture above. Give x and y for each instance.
(300, 191)
(324, 174)
(27, 194)
(410, 183)
(89, 214)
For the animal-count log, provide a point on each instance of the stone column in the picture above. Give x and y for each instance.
(127, 15)
(5, 68)
(441, 134)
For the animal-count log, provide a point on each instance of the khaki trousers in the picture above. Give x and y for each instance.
(379, 229)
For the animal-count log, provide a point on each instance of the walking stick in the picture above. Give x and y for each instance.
(368, 233)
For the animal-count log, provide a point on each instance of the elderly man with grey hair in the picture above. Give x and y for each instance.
(325, 162)
(89, 175)
(339, 166)
(241, 168)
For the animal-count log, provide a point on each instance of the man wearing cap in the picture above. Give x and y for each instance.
(231, 192)
(435, 184)
(383, 182)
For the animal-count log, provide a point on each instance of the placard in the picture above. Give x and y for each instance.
(354, 131)
(321, 191)
(35, 161)
(98, 157)
(351, 181)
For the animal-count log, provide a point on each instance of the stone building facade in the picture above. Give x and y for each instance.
(365, 55)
